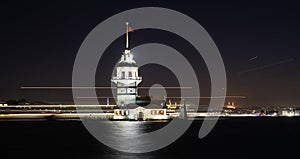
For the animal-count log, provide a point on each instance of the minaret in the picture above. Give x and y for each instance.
(127, 78)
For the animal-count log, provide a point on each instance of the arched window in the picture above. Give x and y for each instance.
(123, 75)
(129, 74)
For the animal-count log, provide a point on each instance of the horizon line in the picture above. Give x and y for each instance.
(64, 87)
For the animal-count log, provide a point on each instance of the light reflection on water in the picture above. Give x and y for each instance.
(126, 130)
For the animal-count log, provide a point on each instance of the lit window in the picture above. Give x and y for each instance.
(152, 112)
(161, 112)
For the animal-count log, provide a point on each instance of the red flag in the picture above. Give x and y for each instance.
(130, 29)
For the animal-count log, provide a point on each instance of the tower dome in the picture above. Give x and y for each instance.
(127, 60)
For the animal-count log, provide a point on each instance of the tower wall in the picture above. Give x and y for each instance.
(127, 77)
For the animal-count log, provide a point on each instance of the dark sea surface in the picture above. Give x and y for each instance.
(257, 137)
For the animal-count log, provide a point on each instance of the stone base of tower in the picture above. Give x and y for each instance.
(124, 100)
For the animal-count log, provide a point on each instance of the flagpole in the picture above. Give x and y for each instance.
(127, 42)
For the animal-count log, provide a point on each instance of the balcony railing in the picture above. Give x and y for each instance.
(128, 78)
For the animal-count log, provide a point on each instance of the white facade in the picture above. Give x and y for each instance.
(127, 80)
(140, 113)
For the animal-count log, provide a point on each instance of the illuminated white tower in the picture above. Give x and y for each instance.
(127, 77)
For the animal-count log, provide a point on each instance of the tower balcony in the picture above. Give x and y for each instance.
(127, 81)
(127, 78)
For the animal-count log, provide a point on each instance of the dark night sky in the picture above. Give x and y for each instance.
(39, 42)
